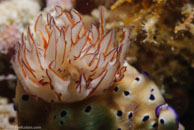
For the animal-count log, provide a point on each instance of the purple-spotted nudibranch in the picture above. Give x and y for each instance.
(73, 78)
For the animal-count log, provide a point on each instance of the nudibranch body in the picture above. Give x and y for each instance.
(64, 62)
(134, 103)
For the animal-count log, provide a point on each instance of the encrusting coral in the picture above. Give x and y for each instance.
(8, 37)
(13, 12)
(188, 11)
(7, 115)
(75, 79)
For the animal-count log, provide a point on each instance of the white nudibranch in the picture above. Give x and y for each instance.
(64, 62)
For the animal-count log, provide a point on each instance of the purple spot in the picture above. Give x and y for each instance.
(162, 121)
(126, 93)
(145, 74)
(152, 97)
(145, 118)
(154, 125)
(130, 115)
(137, 79)
(119, 113)
(116, 89)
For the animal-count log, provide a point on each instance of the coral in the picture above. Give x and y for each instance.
(9, 77)
(13, 12)
(188, 11)
(66, 4)
(119, 2)
(8, 38)
(7, 115)
(15, 18)
(149, 23)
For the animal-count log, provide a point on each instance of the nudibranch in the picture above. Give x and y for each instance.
(63, 61)
(79, 74)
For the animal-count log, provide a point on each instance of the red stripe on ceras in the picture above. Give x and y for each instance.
(93, 90)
